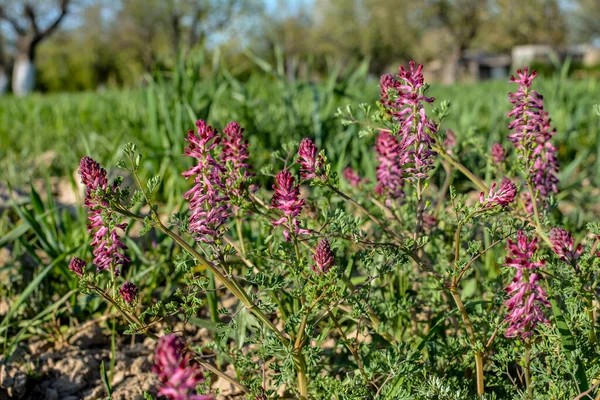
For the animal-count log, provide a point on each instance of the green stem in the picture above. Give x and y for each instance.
(478, 182)
(211, 298)
(536, 216)
(301, 374)
(527, 368)
(359, 362)
(113, 351)
(420, 209)
(238, 227)
(472, 339)
(590, 315)
(228, 282)
(375, 321)
(409, 252)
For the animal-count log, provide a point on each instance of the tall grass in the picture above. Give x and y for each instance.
(46, 134)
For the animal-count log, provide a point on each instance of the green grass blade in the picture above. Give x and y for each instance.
(32, 287)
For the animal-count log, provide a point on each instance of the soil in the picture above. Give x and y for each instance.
(71, 370)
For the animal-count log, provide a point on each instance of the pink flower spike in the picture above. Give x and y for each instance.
(178, 372)
(524, 312)
(93, 176)
(498, 153)
(235, 148)
(562, 244)
(403, 98)
(531, 136)
(109, 250)
(287, 194)
(209, 205)
(77, 265)
(502, 197)
(352, 177)
(287, 199)
(310, 161)
(391, 156)
(324, 257)
(128, 292)
(235, 151)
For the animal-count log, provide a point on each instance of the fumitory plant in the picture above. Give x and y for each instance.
(431, 281)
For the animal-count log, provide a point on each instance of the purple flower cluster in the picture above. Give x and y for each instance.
(531, 136)
(108, 247)
(324, 257)
(178, 373)
(128, 292)
(352, 177)
(562, 244)
(429, 221)
(391, 157)
(77, 265)
(209, 205)
(287, 195)
(450, 141)
(498, 153)
(502, 197)
(311, 162)
(526, 295)
(287, 199)
(403, 98)
(235, 148)
(235, 151)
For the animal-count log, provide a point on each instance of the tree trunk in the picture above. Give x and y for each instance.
(23, 80)
(3, 80)
(454, 66)
(3, 69)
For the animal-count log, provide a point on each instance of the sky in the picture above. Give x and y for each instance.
(292, 5)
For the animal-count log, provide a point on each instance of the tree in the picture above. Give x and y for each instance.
(152, 32)
(519, 22)
(84, 57)
(392, 32)
(3, 66)
(460, 21)
(384, 31)
(192, 21)
(25, 18)
(586, 15)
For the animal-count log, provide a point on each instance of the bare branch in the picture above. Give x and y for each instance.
(18, 28)
(29, 12)
(64, 8)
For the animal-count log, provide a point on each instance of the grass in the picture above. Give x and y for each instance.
(47, 134)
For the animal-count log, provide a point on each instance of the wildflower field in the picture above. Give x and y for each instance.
(352, 238)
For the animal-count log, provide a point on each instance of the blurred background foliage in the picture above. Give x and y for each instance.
(103, 43)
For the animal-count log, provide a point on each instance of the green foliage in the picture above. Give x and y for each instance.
(380, 323)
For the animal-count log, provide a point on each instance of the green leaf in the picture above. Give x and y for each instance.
(14, 234)
(105, 379)
(566, 337)
(36, 201)
(15, 339)
(31, 287)
(568, 343)
(153, 183)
